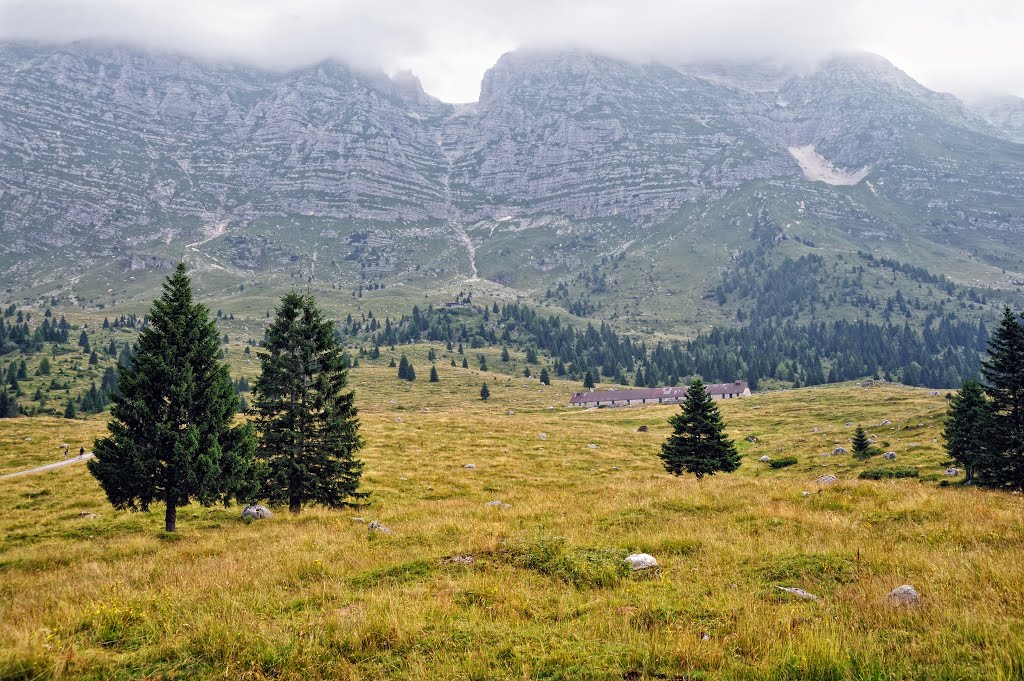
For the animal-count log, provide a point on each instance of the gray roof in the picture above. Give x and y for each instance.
(673, 393)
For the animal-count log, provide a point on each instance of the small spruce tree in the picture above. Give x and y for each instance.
(485, 393)
(968, 430)
(698, 443)
(433, 374)
(465, 363)
(861, 444)
(545, 378)
(588, 381)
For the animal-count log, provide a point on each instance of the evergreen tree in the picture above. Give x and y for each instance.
(22, 371)
(544, 377)
(94, 358)
(8, 404)
(1004, 384)
(44, 367)
(698, 443)
(405, 370)
(588, 381)
(968, 430)
(861, 444)
(465, 363)
(483, 363)
(485, 393)
(69, 409)
(171, 438)
(526, 372)
(305, 418)
(504, 354)
(433, 374)
(431, 355)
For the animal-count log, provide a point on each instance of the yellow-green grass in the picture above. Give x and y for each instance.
(316, 596)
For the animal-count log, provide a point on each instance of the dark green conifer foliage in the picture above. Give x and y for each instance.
(967, 431)
(433, 374)
(171, 437)
(861, 444)
(1004, 382)
(698, 443)
(8, 404)
(588, 381)
(485, 393)
(306, 419)
(465, 363)
(504, 354)
(545, 378)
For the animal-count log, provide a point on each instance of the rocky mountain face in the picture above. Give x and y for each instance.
(106, 150)
(1005, 113)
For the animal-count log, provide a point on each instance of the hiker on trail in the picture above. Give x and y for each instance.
(65, 450)
(81, 452)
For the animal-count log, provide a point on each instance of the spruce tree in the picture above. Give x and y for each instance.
(967, 431)
(588, 381)
(544, 377)
(433, 374)
(69, 409)
(171, 437)
(861, 444)
(698, 443)
(1004, 383)
(465, 363)
(305, 417)
(504, 354)
(485, 393)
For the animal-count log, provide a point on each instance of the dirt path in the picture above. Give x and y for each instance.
(49, 466)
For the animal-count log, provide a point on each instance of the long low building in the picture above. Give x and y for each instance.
(641, 396)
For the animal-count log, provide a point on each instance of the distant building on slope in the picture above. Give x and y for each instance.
(642, 396)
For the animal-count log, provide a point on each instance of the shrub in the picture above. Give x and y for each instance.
(783, 461)
(888, 473)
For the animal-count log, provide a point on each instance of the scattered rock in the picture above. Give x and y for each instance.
(497, 503)
(751, 439)
(704, 636)
(591, 446)
(399, 419)
(615, 468)
(826, 479)
(815, 429)
(85, 515)
(912, 445)
(839, 450)
(933, 393)
(765, 459)
(403, 478)
(642, 429)
(378, 528)
(458, 560)
(904, 595)
(256, 512)
(951, 472)
(359, 520)
(799, 593)
(28, 439)
(805, 493)
(470, 466)
(641, 561)
(510, 412)
(849, 423)
(542, 436)
(891, 456)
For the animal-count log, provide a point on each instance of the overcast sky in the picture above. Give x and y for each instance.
(954, 45)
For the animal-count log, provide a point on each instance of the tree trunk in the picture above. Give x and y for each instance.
(171, 516)
(295, 504)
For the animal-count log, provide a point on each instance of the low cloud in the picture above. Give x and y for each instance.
(449, 43)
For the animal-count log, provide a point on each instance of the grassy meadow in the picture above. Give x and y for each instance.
(535, 589)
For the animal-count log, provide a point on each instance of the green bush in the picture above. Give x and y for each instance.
(783, 461)
(888, 473)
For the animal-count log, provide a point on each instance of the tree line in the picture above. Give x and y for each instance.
(943, 354)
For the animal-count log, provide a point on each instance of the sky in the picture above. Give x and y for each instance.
(962, 46)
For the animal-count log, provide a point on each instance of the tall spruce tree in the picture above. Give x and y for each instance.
(698, 443)
(171, 437)
(305, 417)
(434, 378)
(1004, 383)
(967, 431)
